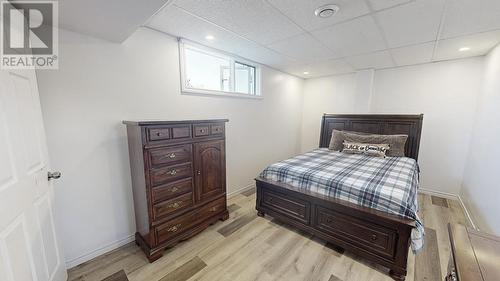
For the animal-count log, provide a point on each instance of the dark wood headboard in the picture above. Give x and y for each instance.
(382, 124)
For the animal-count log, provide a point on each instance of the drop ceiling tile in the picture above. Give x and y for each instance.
(302, 12)
(254, 19)
(479, 44)
(354, 37)
(113, 20)
(384, 4)
(470, 16)
(175, 21)
(261, 55)
(414, 54)
(375, 60)
(331, 67)
(318, 69)
(303, 47)
(410, 24)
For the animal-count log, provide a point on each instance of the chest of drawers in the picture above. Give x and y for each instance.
(178, 173)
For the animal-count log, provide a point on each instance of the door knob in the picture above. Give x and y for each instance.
(53, 175)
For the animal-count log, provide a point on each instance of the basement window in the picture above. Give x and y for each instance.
(210, 72)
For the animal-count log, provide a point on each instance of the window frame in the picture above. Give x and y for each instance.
(184, 44)
(254, 77)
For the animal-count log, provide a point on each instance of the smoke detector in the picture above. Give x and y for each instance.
(326, 11)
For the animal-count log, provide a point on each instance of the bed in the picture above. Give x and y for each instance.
(371, 212)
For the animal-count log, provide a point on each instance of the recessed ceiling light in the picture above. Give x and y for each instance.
(306, 72)
(209, 37)
(464, 49)
(326, 11)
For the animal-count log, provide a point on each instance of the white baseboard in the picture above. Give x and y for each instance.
(240, 190)
(100, 251)
(438, 193)
(453, 197)
(467, 213)
(117, 244)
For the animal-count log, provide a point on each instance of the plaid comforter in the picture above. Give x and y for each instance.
(385, 184)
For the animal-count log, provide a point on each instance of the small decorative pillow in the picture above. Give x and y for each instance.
(337, 140)
(377, 150)
(397, 142)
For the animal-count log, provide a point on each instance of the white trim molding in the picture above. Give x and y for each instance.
(453, 197)
(467, 213)
(438, 193)
(100, 251)
(240, 190)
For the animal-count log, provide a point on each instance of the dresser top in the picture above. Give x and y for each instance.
(476, 254)
(169, 122)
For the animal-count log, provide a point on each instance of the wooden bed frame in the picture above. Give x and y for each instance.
(377, 236)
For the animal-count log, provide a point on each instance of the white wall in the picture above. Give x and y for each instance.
(445, 92)
(324, 95)
(481, 187)
(98, 85)
(349, 93)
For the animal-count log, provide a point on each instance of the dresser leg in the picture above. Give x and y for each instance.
(224, 216)
(154, 257)
(398, 276)
(261, 214)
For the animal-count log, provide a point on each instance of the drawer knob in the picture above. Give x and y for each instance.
(158, 134)
(172, 156)
(202, 130)
(373, 237)
(198, 172)
(174, 189)
(329, 220)
(174, 205)
(213, 209)
(173, 172)
(174, 228)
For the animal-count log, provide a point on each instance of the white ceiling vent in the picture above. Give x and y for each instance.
(326, 11)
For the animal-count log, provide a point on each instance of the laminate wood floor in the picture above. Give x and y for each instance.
(247, 247)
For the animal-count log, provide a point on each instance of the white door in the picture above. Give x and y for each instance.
(29, 248)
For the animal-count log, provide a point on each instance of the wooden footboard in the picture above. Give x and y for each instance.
(371, 234)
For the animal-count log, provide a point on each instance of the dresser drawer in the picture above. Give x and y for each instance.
(291, 207)
(358, 232)
(201, 130)
(170, 190)
(170, 155)
(212, 208)
(170, 173)
(174, 227)
(155, 134)
(217, 129)
(181, 132)
(173, 132)
(184, 222)
(168, 207)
